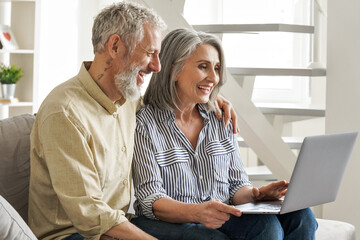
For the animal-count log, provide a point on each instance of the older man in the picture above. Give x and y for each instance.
(82, 140)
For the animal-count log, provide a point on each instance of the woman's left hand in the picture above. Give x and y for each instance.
(229, 112)
(273, 191)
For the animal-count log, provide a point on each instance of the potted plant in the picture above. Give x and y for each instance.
(9, 76)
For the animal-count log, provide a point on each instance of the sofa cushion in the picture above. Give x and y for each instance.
(12, 226)
(15, 161)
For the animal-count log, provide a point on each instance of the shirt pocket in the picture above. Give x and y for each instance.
(172, 156)
(177, 176)
(219, 152)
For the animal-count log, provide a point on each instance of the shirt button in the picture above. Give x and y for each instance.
(123, 149)
(115, 115)
(201, 177)
(125, 181)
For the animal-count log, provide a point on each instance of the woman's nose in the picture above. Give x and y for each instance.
(214, 76)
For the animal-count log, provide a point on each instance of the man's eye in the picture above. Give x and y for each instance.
(150, 54)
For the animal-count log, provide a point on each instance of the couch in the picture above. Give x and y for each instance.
(14, 177)
(14, 185)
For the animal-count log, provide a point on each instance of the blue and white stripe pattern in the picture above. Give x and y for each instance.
(166, 165)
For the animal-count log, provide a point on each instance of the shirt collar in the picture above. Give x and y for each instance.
(95, 91)
(203, 111)
(165, 114)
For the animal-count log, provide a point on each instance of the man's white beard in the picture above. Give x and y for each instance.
(126, 83)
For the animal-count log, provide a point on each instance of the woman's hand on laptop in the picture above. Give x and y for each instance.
(273, 191)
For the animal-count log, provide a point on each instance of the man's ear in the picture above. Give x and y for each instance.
(115, 46)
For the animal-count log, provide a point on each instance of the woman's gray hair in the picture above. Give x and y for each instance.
(176, 48)
(125, 19)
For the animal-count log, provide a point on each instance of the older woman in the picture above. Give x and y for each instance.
(187, 168)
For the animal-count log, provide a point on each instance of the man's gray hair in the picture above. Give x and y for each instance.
(125, 19)
(176, 48)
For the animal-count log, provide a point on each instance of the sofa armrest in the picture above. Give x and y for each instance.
(334, 230)
(15, 161)
(12, 226)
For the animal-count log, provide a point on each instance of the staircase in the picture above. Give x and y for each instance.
(260, 124)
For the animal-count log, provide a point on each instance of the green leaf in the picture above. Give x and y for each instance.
(10, 74)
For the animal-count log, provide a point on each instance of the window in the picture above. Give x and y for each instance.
(262, 49)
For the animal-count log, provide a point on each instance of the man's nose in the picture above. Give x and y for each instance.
(155, 64)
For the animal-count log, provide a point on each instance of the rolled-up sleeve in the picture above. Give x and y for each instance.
(238, 177)
(148, 182)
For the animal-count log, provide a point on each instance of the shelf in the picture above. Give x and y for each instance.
(291, 109)
(243, 28)
(17, 1)
(18, 104)
(17, 51)
(5, 108)
(278, 72)
(21, 16)
(293, 142)
(260, 173)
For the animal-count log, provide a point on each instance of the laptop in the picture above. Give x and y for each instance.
(316, 177)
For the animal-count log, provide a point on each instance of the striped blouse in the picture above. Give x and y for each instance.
(166, 165)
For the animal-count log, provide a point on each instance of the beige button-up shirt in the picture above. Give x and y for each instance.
(81, 152)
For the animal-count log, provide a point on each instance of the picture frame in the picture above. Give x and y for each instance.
(7, 38)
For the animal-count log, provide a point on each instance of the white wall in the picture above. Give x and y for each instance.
(5, 19)
(343, 98)
(65, 40)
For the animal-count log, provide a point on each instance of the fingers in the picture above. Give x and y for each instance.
(280, 183)
(234, 121)
(227, 108)
(217, 213)
(211, 217)
(229, 112)
(273, 191)
(213, 224)
(224, 208)
(218, 112)
(277, 185)
(280, 186)
(236, 127)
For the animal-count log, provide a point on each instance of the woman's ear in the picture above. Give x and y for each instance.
(115, 46)
(171, 72)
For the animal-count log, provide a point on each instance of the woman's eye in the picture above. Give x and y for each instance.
(202, 66)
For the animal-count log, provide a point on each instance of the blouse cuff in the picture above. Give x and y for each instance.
(148, 202)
